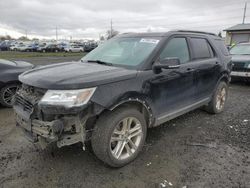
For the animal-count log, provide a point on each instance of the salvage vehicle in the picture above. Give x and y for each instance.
(9, 83)
(241, 61)
(116, 92)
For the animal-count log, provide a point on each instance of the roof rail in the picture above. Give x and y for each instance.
(200, 32)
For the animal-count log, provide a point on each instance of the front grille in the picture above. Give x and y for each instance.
(25, 104)
(240, 67)
(27, 97)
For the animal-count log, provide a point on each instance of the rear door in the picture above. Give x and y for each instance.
(207, 66)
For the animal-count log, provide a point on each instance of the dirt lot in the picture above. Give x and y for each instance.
(195, 150)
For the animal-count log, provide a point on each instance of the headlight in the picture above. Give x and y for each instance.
(67, 98)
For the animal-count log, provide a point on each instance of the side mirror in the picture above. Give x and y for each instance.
(167, 63)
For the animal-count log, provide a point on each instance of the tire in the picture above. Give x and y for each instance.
(104, 129)
(43, 51)
(56, 51)
(213, 107)
(5, 98)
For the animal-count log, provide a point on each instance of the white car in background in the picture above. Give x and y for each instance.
(15, 47)
(73, 48)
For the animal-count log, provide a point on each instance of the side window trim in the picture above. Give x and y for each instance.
(210, 47)
(173, 37)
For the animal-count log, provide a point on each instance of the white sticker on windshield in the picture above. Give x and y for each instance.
(152, 41)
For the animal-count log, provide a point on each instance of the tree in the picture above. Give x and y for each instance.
(112, 34)
(102, 38)
(23, 38)
(7, 37)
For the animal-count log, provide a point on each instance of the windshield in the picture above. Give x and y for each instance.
(240, 50)
(123, 51)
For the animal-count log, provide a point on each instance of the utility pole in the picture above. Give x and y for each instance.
(56, 34)
(111, 28)
(244, 15)
(26, 34)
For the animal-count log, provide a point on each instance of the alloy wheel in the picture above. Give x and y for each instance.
(221, 98)
(126, 138)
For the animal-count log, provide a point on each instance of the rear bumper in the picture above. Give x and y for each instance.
(240, 74)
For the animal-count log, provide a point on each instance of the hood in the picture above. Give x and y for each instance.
(23, 64)
(74, 75)
(241, 58)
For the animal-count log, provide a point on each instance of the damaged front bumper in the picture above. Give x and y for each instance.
(63, 130)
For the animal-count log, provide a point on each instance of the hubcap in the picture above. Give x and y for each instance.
(221, 98)
(9, 93)
(126, 138)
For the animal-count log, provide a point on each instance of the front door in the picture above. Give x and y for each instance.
(174, 89)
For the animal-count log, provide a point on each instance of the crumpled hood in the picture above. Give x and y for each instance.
(74, 75)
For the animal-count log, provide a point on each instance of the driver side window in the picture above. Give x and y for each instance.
(176, 47)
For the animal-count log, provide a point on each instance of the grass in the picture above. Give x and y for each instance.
(10, 54)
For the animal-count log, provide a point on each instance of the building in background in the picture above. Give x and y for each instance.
(237, 34)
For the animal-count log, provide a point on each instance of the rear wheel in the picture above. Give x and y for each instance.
(7, 94)
(119, 136)
(217, 104)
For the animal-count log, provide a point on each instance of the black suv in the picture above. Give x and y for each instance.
(130, 83)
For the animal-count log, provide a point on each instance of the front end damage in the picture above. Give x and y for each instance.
(49, 124)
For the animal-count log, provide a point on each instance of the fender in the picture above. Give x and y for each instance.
(139, 100)
(225, 75)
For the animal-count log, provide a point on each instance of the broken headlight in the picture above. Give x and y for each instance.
(67, 98)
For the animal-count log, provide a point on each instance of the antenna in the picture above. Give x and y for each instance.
(244, 15)
(56, 33)
(111, 28)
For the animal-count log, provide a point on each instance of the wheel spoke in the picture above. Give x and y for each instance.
(132, 144)
(113, 139)
(118, 132)
(128, 149)
(118, 151)
(135, 128)
(136, 133)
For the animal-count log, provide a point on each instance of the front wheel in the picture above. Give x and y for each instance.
(119, 136)
(217, 104)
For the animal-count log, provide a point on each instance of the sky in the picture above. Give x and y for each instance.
(92, 18)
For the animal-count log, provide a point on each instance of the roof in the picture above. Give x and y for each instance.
(239, 27)
(164, 34)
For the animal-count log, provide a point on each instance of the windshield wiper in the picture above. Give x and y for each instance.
(100, 62)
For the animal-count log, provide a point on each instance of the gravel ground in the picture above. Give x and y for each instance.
(195, 150)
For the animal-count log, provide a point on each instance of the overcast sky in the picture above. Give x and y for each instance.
(91, 18)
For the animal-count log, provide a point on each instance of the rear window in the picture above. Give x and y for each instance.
(201, 48)
(222, 47)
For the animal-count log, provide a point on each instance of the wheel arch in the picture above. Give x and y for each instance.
(138, 103)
